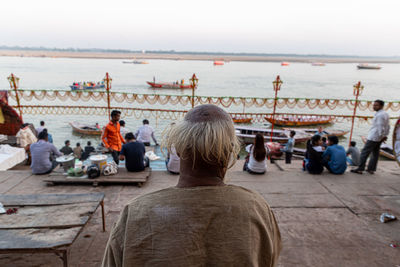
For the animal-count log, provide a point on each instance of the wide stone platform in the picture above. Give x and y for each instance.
(325, 220)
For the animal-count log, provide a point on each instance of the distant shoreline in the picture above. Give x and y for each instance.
(211, 57)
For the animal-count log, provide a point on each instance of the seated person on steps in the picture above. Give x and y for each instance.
(41, 152)
(334, 157)
(202, 221)
(133, 153)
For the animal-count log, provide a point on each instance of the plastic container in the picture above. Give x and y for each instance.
(99, 160)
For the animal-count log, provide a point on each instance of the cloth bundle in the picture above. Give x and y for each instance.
(110, 169)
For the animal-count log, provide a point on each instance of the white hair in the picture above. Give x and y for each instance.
(214, 141)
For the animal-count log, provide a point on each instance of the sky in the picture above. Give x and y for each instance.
(340, 27)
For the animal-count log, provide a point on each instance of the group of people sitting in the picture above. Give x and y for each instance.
(330, 155)
(321, 152)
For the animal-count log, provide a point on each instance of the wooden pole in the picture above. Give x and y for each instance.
(108, 87)
(357, 91)
(194, 82)
(13, 83)
(277, 86)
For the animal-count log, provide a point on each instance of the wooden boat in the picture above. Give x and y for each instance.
(385, 151)
(218, 62)
(135, 62)
(301, 120)
(285, 63)
(365, 66)
(10, 121)
(170, 85)
(85, 129)
(312, 131)
(248, 134)
(241, 120)
(318, 64)
(87, 86)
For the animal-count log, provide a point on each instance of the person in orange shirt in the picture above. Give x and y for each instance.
(111, 137)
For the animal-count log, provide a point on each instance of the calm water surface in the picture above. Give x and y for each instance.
(251, 79)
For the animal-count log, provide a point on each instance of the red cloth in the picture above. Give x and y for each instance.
(112, 136)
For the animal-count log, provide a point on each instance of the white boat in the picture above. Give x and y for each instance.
(365, 66)
(248, 134)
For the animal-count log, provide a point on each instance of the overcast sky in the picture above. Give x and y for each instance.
(345, 27)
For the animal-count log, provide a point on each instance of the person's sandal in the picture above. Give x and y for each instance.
(371, 172)
(356, 171)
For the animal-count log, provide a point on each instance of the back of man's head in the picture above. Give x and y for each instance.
(380, 102)
(115, 112)
(129, 137)
(43, 135)
(66, 142)
(89, 143)
(333, 139)
(353, 143)
(145, 121)
(205, 135)
(41, 123)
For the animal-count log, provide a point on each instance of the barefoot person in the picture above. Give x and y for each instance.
(201, 221)
(112, 137)
(377, 134)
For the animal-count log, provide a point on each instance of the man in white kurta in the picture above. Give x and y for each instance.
(376, 135)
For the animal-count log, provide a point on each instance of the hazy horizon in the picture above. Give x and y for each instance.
(310, 27)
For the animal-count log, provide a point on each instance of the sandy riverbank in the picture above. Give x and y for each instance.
(248, 58)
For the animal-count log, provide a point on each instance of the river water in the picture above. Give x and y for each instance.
(249, 79)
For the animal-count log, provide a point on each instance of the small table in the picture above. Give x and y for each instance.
(46, 223)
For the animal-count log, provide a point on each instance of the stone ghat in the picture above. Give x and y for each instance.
(325, 220)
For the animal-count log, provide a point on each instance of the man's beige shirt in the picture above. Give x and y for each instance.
(198, 226)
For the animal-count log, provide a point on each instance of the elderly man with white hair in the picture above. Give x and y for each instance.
(201, 221)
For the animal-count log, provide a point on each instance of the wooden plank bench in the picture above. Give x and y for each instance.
(47, 223)
(122, 177)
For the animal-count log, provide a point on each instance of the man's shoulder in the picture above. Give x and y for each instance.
(230, 193)
(133, 145)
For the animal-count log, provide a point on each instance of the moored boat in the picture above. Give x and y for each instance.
(85, 128)
(218, 62)
(366, 66)
(386, 150)
(170, 85)
(135, 62)
(87, 85)
(318, 64)
(327, 132)
(300, 120)
(285, 63)
(248, 134)
(10, 120)
(241, 120)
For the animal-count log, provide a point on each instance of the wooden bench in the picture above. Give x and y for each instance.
(47, 223)
(122, 177)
